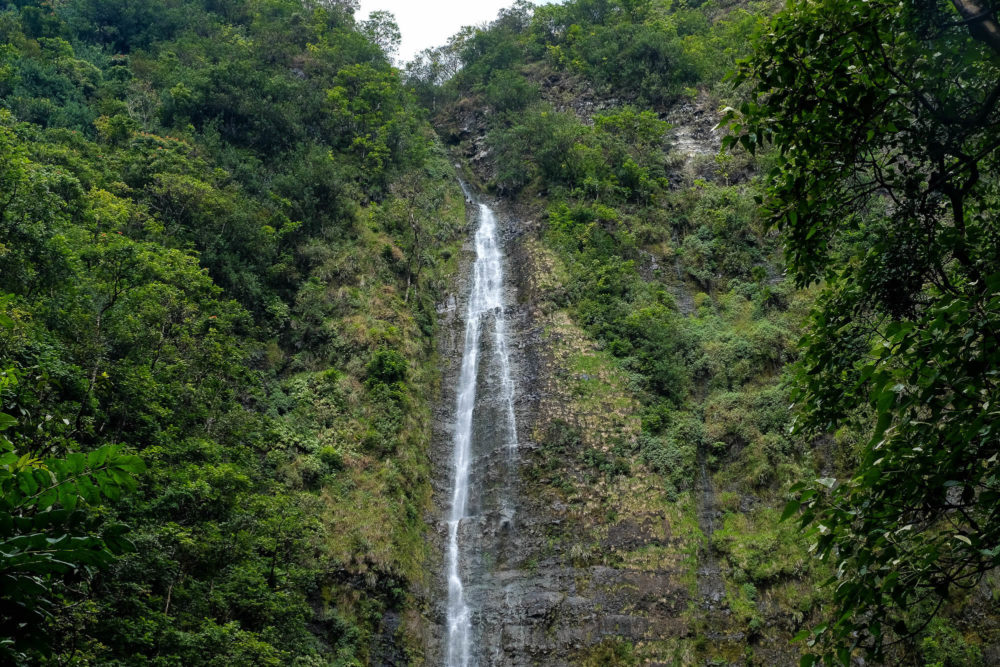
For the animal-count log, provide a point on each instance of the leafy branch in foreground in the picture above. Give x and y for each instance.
(50, 535)
(887, 129)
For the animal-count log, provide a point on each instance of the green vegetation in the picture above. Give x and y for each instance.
(609, 652)
(884, 187)
(223, 228)
(874, 130)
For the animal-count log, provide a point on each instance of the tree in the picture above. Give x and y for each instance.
(885, 187)
(413, 207)
(381, 28)
(432, 68)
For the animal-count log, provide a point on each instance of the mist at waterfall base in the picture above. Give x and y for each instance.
(485, 308)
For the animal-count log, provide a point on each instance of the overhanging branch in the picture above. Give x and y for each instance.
(981, 20)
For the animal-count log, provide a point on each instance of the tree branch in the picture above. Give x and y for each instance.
(982, 22)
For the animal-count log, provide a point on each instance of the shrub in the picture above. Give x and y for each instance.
(944, 646)
(387, 366)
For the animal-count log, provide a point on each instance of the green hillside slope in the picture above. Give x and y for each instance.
(223, 231)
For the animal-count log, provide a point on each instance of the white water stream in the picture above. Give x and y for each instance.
(485, 305)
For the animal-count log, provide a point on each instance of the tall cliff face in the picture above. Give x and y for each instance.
(600, 544)
(578, 553)
(654, 328)
(652, 324)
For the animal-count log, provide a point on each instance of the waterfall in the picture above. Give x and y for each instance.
(485, 307)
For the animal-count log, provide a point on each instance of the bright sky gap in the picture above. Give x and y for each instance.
(429, 24)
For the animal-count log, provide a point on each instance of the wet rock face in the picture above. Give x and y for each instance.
(542, 550)
(573, 550)
(573, 554)
(485, 536)
(557, 613)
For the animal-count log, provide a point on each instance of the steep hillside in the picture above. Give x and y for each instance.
(223, 230)
(658, 328)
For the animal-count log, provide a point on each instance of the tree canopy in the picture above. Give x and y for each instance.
(885, 188)
(206, 246)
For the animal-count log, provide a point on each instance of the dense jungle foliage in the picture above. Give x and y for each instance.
(224, 225)
(885, 186)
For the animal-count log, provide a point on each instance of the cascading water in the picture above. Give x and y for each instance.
(485, 307)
